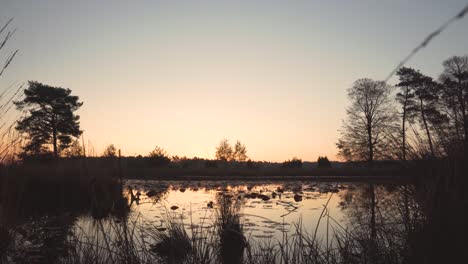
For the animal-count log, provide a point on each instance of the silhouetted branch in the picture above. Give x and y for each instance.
(427, 40)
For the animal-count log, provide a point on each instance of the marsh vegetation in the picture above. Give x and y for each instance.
(226, 222)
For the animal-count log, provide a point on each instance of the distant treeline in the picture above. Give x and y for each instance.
(225, 157)
(176, 162)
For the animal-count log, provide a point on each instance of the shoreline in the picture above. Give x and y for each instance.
(364, 179)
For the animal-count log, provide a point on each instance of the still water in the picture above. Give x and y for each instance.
(267, 209)
(267, 212)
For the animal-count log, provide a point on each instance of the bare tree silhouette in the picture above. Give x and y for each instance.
(369, 119)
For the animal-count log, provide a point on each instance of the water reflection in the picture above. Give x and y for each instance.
(265, 208)
(228, 222)
(382, 218)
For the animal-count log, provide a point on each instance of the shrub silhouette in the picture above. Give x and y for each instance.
(293, 163)
(323, 162)
(110, 151)
(158, 157)
(211, 164)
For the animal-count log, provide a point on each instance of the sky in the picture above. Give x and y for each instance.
(184, 75)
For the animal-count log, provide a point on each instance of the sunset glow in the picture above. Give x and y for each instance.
(185, 74)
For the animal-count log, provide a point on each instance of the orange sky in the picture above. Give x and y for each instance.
(184, 75)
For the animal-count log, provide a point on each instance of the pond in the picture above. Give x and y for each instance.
(231, 220)
(267, 210)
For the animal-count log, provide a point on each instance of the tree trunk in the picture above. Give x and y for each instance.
(371, 145)
(465, 126)
(373, 234)
(406, 216)
(426, 127)
(54, 136)
(457, 125)
(372, 220)
(403, 130)
(461, 100)
(404, 137)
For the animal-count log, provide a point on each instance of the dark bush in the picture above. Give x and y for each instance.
(323, 162)
(250, 164)
(158, 158)
(41, 157)
(211, 164)
(293, 163)
(158, 161)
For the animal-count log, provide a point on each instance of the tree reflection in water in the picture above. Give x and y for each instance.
(381, 220)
